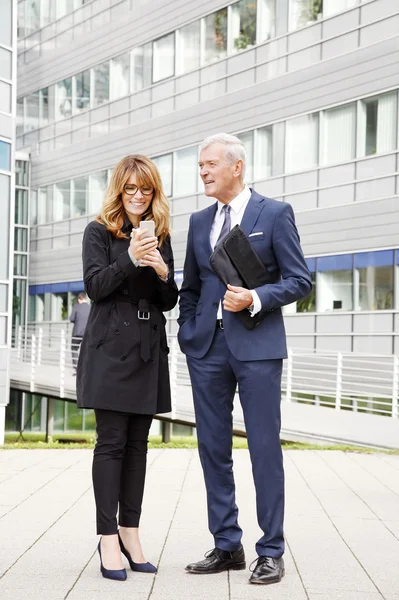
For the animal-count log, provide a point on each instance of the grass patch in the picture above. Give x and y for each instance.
(79, 440)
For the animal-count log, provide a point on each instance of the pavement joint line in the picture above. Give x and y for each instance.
(40, 488)
(375, 476)
(21, 470)
(360, 498)
(333, 524)
(44, 532)
(297, 568)
(80, 575)
(228, 586)
(171, 520)
(384, 458)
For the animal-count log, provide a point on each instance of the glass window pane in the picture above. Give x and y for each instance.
(82, 86)
(62, 199)
(97, 186)
(266, 19)
(339, 131)
(5, 156)
(64, 7)
(216, 35)
(19, 302)
(43, 113)
(141, 67)
(304, 12)
(21, 239)
(263, 152)
(32, 16)
(59, 306)
(374, 281)
(22, 173)
(243, 25)
(308, 304)
(45, 204)
(164, 164)
(331, 7)
(378, 122)
(21, 207)
(63, 99)
(101, 84)
(334, 290)
(188, 52)
(32, 111)
(301, 145)
(79, 197)
(120, 76)
(20, 116)
(5, 63)
(164, 57)
(20, 264)
(186, 171)
(247, 140)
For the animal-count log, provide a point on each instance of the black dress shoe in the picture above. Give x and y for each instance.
(267, 570)
(217, 560)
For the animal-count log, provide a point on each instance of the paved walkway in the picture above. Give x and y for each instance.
(342, 529)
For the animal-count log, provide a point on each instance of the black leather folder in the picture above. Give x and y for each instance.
(235, 262)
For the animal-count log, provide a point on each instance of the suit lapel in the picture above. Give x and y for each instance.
(252, 212)
(208, 219)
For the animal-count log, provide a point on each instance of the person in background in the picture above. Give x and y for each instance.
(78, 316)
(123, 371)
(221, 354)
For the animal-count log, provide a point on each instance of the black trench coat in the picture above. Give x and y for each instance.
(111, 374)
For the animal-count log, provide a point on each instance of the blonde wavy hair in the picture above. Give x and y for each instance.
(113, 214)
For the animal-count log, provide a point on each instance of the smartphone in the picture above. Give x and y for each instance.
(148, 229)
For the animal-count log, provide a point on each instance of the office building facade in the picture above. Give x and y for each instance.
(311, 88)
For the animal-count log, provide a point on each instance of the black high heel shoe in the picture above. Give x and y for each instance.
(140, 567)
(118, 574)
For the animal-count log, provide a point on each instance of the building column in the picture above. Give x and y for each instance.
(2, 423)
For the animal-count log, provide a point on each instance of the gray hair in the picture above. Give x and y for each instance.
(234, 147)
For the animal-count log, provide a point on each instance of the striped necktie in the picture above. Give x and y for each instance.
(226, 225)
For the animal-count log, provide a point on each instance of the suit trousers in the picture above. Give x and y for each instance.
(119, 467)
(214, 380)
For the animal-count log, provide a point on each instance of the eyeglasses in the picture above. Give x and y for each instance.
(131, 190)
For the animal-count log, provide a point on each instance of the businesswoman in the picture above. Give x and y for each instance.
(123, 364)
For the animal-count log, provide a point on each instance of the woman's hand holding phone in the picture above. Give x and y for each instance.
(140, 247)
(154, 259)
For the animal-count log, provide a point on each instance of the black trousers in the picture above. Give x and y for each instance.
(75, 345)
(119, 466)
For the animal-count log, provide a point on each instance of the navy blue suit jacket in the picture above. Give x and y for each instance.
(279, 248)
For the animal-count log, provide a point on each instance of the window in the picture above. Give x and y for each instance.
(21, 207)
(301, 146)
(5, 63)
(141, 67)
(247, 140)
(331, 7)
(185, 171)
(97, 187)
(215, 26)
(64, 7)
(5, 156)
(164, 164)
(188, 48)
(243, 25)
(62, 198)
(120, 76)
(20, 116)
(32, 111)
(43, 107)
(263, 153)
(164, 58)
(18, 302)
(78, 207)
(266, 19)
(20, 264)
(334, 281)
(45, 204)
(377, 124)
(22, 173)
(305, 12)
(21, 239)
(338, 134)
(59, 306)
(308, 304)
(101, 84)
(82, 91)
(374, 280)
(63, 99)
(32, 16)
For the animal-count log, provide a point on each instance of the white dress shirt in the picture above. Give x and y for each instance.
(238, 206)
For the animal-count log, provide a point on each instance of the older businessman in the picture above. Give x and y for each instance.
(221, 354)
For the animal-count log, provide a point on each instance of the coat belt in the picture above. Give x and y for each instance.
(144, 315)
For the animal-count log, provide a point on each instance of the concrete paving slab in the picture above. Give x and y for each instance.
(342, 529)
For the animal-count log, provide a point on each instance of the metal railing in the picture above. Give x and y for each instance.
(367, 383)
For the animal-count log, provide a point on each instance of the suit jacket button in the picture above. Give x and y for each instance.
(123, 357)
(126, 324)
(215, 305)
(116, 332)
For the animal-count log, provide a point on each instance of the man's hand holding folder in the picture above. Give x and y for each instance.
(237, 265)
